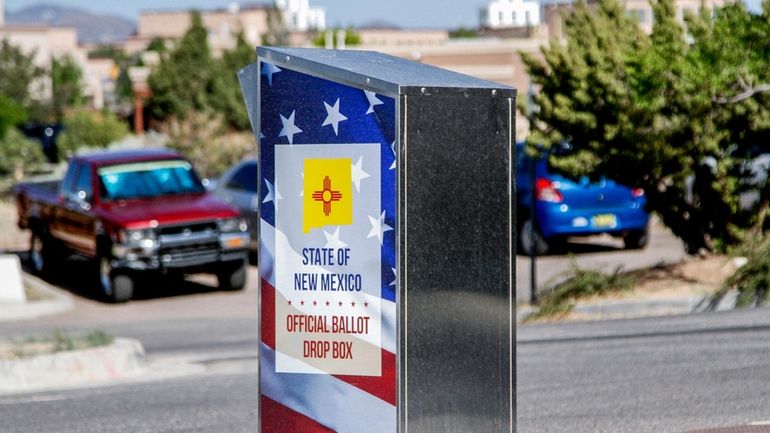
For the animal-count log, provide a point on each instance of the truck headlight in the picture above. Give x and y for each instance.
(233, 225)
(141, 237)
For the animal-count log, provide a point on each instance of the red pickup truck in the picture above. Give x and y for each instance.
(133, 211)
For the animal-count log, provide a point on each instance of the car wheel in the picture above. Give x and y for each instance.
(636, 239)
(116, 286)
(232, 277)
(42, 254)
(526, 241)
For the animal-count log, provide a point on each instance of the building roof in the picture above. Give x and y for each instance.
(245, 7)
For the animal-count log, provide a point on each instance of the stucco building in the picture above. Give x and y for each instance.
(510, 13)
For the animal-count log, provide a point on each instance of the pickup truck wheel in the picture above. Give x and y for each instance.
(42, 256)
(232, 278)
(115, 285)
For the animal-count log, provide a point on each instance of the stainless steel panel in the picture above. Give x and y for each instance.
(457, 291)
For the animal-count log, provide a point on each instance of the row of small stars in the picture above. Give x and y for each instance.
(340, 303)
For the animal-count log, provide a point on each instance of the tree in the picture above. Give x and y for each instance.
(648, 110)
(89, 129)
(19, 154)
(11, 114)
(227, 97)
(183, 80)
(18, 73)
(352, 38)
(277, 33)
(67, 84)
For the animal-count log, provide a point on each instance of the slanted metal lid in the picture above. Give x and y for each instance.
(380, 72)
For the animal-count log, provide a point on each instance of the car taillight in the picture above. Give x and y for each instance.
(548, 191)
(637, 192)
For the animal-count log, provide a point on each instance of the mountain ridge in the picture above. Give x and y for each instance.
(92, 27)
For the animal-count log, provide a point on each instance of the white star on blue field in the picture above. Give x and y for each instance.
(298, 109)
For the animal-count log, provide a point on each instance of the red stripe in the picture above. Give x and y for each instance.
(382, 387)
(267, 316)
(277, 418)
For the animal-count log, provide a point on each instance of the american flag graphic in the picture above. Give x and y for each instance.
(303, 116)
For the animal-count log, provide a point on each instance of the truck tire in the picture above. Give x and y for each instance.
(115, 285)
(42, 254)
(232, 277)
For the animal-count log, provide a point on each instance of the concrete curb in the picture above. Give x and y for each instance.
(122, 359)
(58, 302)
(633, 308)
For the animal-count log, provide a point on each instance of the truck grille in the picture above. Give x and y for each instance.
(189, 256)
(189, 244)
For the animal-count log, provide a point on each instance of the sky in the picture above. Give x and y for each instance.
(404, 13)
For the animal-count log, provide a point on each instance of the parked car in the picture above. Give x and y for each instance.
(565, 207)
(46, 134)
(133, 212)
(751, 171)
(238, 187)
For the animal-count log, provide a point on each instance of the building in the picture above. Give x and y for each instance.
(510, 13)
(554, 10)
(46, 43)
(254, 21)
(389, 37)
(300, 17)
(494, 59)
(642, 11)
(222, 25)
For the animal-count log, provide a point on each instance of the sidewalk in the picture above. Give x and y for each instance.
(635, 308)
(52, 301)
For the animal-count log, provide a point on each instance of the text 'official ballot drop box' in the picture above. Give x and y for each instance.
(387, 280)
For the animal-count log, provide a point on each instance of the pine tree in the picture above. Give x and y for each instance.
(183, 81)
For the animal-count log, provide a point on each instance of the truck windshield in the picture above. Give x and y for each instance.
(148, 180)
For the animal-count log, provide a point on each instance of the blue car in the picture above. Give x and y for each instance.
(566, 207)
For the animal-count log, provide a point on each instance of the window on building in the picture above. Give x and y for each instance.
(513, 17)
(501, 18)
(528, 18)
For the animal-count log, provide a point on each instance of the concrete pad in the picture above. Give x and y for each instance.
(11, 287)
(56, 302)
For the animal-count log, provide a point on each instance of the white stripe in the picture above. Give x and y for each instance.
(266, 251)
(327, 400)
(266, 260)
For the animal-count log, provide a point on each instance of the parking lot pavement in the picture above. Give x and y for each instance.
(600, 253)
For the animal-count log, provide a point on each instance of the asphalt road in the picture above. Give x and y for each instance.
(658, 375)
(598, 252)
(654, 375)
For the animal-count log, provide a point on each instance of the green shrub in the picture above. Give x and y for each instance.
(203, 139)
(581, 283)
(19, 155)
(89, 129)
(752, 280)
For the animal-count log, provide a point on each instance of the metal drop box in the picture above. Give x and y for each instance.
(425, 157)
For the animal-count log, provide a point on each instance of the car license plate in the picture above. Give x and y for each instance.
(604, 220)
